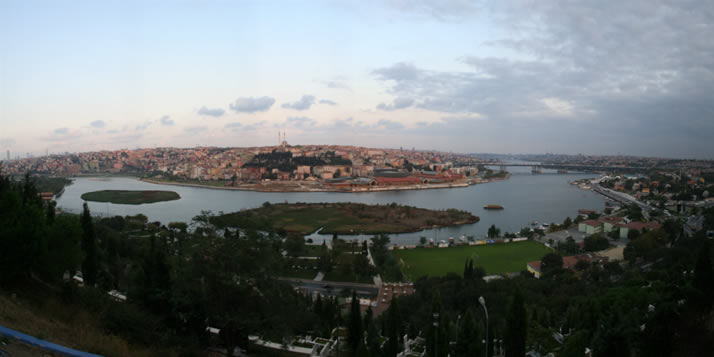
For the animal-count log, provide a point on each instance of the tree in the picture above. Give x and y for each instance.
(64, 252)
(468, 269)
(575, 344)
(703, 275)
(436, 338)
(595, 243)
(372, 341)
(468, 341)
(516, 327)
(324, 261)
(394, 329)
(567, 222)
(493, 232)
(354, 336)
(551, 262)
(422, 240)
(90, 265)
(295, 245)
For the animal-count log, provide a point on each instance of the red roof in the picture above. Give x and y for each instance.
(592, 222)
(535, 265)
(611, 219)
(585, 211)
(408, 179)
(640, 225)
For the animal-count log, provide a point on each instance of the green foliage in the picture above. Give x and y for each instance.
(516, 327)
(551, 262)
(90, 265)
(354, 337)
(493, 232)
(130, 197)
(468, 342)
(575, 344)
(595, 242)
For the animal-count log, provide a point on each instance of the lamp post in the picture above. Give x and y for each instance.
(457, 328)
(482, 301)
(436, 334)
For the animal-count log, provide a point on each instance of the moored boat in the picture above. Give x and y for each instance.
(492, 207)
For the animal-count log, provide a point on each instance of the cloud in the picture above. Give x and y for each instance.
(254, 126)
(63, 134)
(166, 121)
(129, 138)
(401, 71)
(143, 126)
(252, 105)
(232, 125)
(300, 122)
(398, 103)
(443, 10)
(237, 126)
(303, 104)
(327, 101)
(213, 112)
(97, 124)
(7, 142)
(116, 131)
(338, 83)
(609, 69)
(193, 130)
(389, 124)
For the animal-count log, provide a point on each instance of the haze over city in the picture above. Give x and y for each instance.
(507, 77)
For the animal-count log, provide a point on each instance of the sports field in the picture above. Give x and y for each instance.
(494, 258)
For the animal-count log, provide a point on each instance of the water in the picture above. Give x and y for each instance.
(545, 198)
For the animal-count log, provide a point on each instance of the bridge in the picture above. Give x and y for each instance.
(537, 168)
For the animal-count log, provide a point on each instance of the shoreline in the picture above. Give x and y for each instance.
(324, 189)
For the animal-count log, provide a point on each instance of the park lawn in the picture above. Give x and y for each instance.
(130, 197)
(494, 258)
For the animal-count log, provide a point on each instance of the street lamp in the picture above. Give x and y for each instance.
(482, 301)
(457, 328)
(436, 334)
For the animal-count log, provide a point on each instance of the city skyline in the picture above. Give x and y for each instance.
(513, 77)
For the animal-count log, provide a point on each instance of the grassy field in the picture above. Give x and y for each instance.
(343, 218)
(494, 258)
(130, 197)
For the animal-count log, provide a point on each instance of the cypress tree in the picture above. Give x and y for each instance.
(704, 277)
(89, 247)
(354, 338)
(372, 334)
(515, 338)
(468, 341)
(393, 326)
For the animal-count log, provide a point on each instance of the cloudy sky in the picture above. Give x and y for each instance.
(532, 76)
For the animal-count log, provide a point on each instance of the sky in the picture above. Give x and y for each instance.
(607, 77)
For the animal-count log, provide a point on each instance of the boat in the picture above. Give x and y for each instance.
(492, 207)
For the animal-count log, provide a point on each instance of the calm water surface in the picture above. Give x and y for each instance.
(526, 197)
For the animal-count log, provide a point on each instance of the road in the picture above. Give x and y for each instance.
(622, 197)
(333, 288)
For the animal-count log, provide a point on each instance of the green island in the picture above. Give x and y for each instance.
(126, 197)
(342, 218)
(494, 258)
